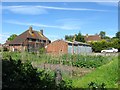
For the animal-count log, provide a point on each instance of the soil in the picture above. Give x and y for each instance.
(71, 70)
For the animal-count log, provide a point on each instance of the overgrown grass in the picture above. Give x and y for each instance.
(107, 74)
(25, 56)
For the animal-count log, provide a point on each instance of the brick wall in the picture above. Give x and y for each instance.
(17, 48)
(57, 47)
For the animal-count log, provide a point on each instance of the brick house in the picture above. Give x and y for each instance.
(30, 40)
(90, 38)
(65, 47)
(0, 46)
(6, 45)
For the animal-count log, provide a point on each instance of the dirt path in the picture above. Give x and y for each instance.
(65, 69)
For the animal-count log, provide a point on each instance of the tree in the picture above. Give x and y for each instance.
(107, 37)
(13, 36)
(100, 45)
(80, 37)
(69, 37)
(118, 35)
(102, 34)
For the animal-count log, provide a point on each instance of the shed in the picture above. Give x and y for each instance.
(67, 47)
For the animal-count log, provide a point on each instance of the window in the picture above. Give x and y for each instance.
(37, 40)
(29, 39)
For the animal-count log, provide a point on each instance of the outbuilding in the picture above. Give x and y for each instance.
(67, 47)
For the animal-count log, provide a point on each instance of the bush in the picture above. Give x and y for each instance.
(22, 75)
(100, 45)
(5, 49)
(42, 50)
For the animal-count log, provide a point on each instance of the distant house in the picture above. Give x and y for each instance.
(65, 47)
(90, 38)
(0, 45)
(29, 40)
(6, 45)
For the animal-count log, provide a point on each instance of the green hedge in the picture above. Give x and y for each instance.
(100, 45)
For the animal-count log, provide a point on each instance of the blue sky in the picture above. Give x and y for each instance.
(58, 19)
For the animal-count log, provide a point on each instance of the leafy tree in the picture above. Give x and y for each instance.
(69, 37)
(118, 34)
(116, 43)
(107, 37)
(13, 36)
(102, 34)
(80, 37)
(100, 45)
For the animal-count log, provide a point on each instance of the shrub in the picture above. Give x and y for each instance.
(22, 75)
(42, 50)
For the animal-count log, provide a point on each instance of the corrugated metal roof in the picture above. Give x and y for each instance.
(75, 42)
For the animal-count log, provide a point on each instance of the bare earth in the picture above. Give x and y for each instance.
(75, 71)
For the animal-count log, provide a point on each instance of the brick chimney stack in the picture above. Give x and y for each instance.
(41, 32)
(30, 28)
(87, 35)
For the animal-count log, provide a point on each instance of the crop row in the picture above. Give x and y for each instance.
(87, 61)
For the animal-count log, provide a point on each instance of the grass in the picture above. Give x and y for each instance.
(25, 56)
(107, 74)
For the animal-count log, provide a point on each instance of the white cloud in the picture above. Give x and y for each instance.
(111, 36)
(62, 26)
(29, 10)
(71, 9)
(3, 37)
(36, 10)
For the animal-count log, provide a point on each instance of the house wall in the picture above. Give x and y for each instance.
(57, 47)
(30, 46)
(34, 47)
(17, 48)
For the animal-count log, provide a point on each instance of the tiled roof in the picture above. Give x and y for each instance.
(92, 37)
(28, 34)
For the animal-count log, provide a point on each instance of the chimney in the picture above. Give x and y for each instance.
(86, 35)
(30, 28)
(41, 32)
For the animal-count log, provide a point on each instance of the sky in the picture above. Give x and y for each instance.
(58, 19)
